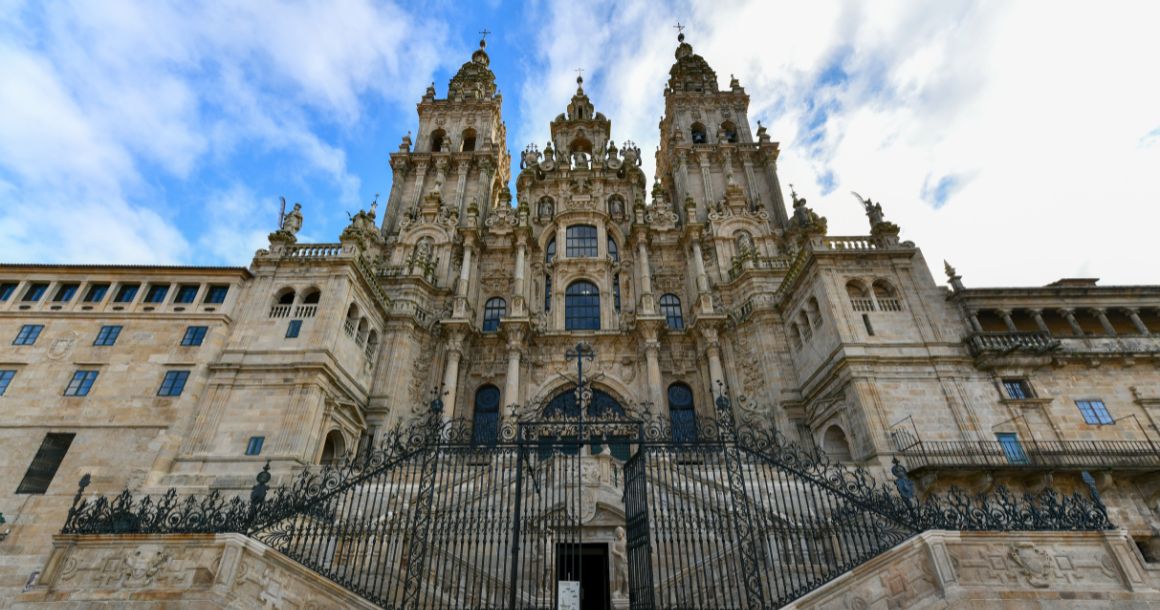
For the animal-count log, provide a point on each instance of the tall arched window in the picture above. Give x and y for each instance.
(287, 297)
(485, 418)
(613, 250)
(684, 418)
(468, 140)
(581, 241)
(547, 292)
(333, 449)
(671, 310)
(437, 139)
(493, 310)
(616, 291)
(730, 132)
(582, 306)
(699, 134)
(550, 251)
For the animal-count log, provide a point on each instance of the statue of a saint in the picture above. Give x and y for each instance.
(616, 207)
(873, 210)
(620, 564)
(546, 208)
(292, 221)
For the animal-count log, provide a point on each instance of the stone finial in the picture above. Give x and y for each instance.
(953, 277)
(405, 145)
(949, 270)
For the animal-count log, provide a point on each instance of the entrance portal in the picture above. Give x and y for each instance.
(588, 564)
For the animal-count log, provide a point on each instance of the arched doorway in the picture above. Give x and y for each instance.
(333, 449)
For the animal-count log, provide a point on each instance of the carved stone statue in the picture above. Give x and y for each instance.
(744, 242)
(616, 207)
(530, 158)
(546, 208)
(873, 210)
(292, 221)
(803, 217)
(620, 564)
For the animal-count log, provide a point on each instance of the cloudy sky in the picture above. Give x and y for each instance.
(1020, 140)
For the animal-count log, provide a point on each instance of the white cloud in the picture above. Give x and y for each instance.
(1039, 125)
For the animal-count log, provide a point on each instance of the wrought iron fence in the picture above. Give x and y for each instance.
(1077, 455)
(728, 517)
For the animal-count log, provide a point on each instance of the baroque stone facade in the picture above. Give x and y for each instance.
(702, 282)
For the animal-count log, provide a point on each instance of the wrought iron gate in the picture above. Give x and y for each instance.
(722, 518)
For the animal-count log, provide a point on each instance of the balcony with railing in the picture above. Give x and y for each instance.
(1007, 342)
(1031, 455)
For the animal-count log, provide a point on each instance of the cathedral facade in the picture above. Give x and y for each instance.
(700, 283)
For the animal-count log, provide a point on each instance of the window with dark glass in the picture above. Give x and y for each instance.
(682, 414)
(616, 292)
(28, 334)
(493, 310)
(581, 241)
(35, 292)
(293, 329)
(216, 294)
(547, 292)
(1017, 389)
(194, 335)
(485, 418)
(156, 293)
(81, 383)
(698, 131)
(671, 310)
(107, 335)
(96, 293)
(6, 290)
(173, 383)
(582, 306)
(126, 293)
(550, 251)
(1094, 412)
(613, 251)
(254, 445)
(6, 379)
(46, 462)
(186, 293)
(65, 293)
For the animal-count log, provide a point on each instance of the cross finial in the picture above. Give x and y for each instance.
(483, 33)
(579, 76)
(680, 31)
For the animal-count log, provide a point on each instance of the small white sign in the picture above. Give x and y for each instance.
(568, 594)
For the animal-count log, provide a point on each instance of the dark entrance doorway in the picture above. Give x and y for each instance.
(587, 563)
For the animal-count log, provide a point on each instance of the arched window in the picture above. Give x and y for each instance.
(814, 312)
(581, 241)
(730, 132)
(671, 310)
(493, 310)
(699, 134)
(886, 296)
(795, 335)
(582, 306)
(804, 324)
(616, 291)
(835, 445)
(550, 251)
(581, 144)
(437, 140)
(351, 324)
(683, 417)
(312, 296)
(485, 418)
(333, 449)
(613, 250)
(859, 296)
(286, 297)
(372, 348)
(468, 140)
(363, 329)
(547, 292)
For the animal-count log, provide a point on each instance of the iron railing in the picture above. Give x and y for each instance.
(1033, 455)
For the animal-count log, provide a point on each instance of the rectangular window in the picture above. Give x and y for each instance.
(1094, 412)
(126, 293)
(254, 446)
(96, 293)
(107, 335)
(1011, 447)
(1017, 389)
(194, 335)
(82, 382)
(156, 293)
(28, 334)
(581, 241)
(173, 384)
(66, 292)
(35, 292)
(186, 293)
(293, 329)
(5, 379)
(216, 294)
(6, 290)
(47, 461)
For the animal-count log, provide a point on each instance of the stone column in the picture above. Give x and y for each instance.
(464, 273)
(1037, 315)
(1134, 315)
(706, 179)
(511, 387)
(461, 185)
(1069, 314)
(451, 374)
(1006, 315)
(1102, 316)
(420, 176)
(699, 266)
(682, 179)
(713, 354)
(395, 197)
(973, 319)
(646, 296)
(518, 299)
(777, 201)
(652, 348)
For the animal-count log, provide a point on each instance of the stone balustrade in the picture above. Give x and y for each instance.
(1000, 342)
(280, 311)
(848, 243)
(314, 250)
(305, 311)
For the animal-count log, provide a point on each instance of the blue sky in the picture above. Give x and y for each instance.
(1000, 135)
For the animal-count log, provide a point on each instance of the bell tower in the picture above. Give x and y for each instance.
(707, 146)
